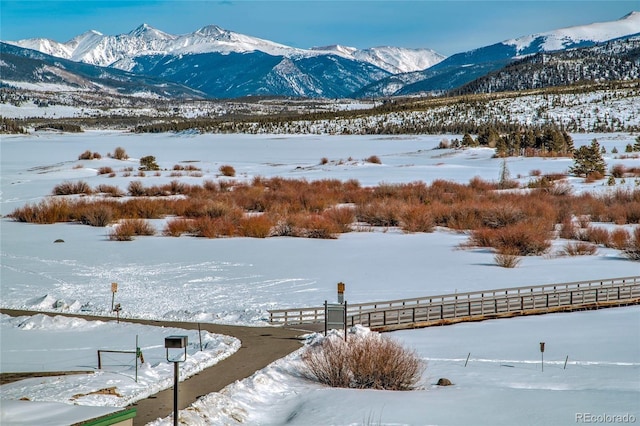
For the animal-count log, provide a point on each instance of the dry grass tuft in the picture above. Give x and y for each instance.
(507, 259)
(579, 248)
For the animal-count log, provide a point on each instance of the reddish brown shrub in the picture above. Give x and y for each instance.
(374, 159)
(568, 229)
(255, 226)
(416, 218)
(595, 235)
(105, 170)
(343, 217)
(227, 170)
(177, 227)
(96, 215)
(379, 213)
(526, 238)
(618, 170)
(618, 239)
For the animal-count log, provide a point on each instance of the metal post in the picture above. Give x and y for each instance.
(200, 335)
(175, 393)
(345, 320)
(467, 361)
(137, 353)
(326, 317)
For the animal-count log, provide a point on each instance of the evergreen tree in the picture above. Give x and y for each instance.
(467, 140)
(636, 146)
(588, 159)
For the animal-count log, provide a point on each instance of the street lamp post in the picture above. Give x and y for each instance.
(176, 342)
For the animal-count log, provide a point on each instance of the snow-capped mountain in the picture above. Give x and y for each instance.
(395, 60)
(32, 69)
(578, 36)
(118, 51)
(464, 67)
(222, 63)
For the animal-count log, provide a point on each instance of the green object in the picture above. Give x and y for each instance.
(111, 419)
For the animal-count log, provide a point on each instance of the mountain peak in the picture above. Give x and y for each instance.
(147, 31)
(211, 31)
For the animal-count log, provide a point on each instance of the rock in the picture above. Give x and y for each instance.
(444, 382)
(59, 240)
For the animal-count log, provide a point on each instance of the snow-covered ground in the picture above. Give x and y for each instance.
(237, 280)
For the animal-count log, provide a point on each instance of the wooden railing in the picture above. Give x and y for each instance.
(476, 305)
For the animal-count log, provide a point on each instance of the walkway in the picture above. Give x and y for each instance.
(260, 347)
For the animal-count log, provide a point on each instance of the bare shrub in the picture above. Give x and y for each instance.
(632, 251)
(373, 159)
(111, 190)
(120, 154)
(97, 215)
(256, 226)
(314, 226)
(87, 155)
(45, 212)
(324, 160)
(70, 188)
(227, 170)
(618, 170)
(522, 239)
(105, 170)
(127, 228)
(213, 227)
(178, 227)
(370, 361)
(136, 189)
(416, 218)
(568, 229)
(593, 176)
(379, 213)
(619, 239)
(535, 172)
(595, 235)
(580, 248)
(342, 217)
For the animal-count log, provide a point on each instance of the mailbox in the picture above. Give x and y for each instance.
(175, 342)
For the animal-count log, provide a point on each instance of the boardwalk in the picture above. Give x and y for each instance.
(476, 306)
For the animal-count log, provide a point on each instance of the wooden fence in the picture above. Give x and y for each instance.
(476, 305)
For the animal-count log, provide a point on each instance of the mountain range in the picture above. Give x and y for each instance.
(214, 62)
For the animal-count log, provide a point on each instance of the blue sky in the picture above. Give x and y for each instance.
(445, 26)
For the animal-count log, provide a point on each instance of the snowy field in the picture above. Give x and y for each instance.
(237, 280)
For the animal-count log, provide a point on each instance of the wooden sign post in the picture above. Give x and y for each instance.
(114, 290)
(341, 292)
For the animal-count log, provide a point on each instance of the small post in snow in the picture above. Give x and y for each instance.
(542, 354)
(114, 290)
